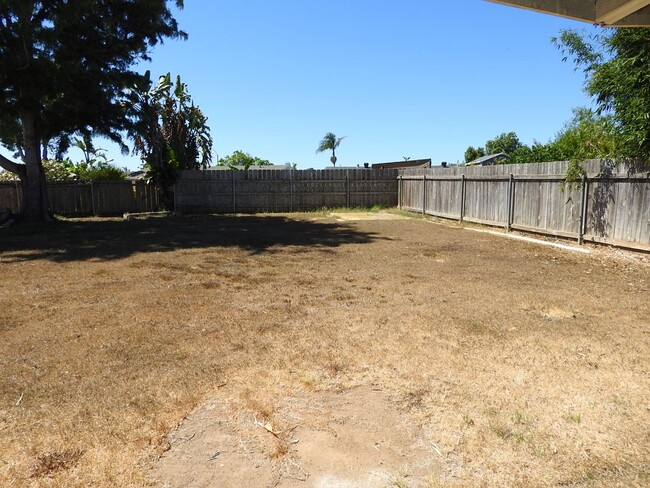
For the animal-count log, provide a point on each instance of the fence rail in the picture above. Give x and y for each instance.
(283, 190)
(84, 199)
(611, 204)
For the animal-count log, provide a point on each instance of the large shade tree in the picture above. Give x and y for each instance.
(64, 68)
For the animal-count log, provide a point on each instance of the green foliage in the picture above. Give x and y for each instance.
(95, 166)
(473, 153)
(239, 159)
(169, 131)
(92, 42)
(59, 170)
(508, 143)
(587, 135)
(64, 68)
(616, 64)
(101, 171)
(66, 170)
(330, 143)
(91, 154)
(7, 176)
(503, 143)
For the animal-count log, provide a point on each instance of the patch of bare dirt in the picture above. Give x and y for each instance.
(353, 439)
(350, 216)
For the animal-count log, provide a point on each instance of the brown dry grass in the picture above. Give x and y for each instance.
(529, 363)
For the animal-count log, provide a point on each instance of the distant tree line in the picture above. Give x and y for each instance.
(586, 136)
(616, 65)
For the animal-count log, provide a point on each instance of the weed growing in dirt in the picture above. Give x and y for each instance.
(576, 418)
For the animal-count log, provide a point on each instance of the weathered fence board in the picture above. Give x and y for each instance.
(283, 190)
(84, 199)
(613, 207)
(10, 196)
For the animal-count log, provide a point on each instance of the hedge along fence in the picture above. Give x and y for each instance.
(84, 199)
(259, 190)
(611, 204)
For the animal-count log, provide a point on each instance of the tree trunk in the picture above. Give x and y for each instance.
(16, 168)
(35, 203)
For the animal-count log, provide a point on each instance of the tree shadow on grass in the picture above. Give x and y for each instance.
(105, 240)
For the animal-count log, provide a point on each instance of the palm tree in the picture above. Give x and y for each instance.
(330, 142)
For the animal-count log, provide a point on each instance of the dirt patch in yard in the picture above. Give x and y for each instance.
(352, 216)
(150, 352)
(350, 439)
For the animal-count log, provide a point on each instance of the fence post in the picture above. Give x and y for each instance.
(347, 188)
(424, 193)
(18, 202)
(399, 192)
(583, 209)
(290, 190)
(462, 198)
(92, 198)
(511, 184)
(234, 198)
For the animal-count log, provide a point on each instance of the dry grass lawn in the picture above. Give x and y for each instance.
(530, 364)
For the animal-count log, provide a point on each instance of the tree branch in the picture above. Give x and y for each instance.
(12, 167)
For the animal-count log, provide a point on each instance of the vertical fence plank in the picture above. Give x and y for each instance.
(511, 184)
(424, 193)
(92, 198)
(347, 188)
(234, 194)
(583, 208)
(462, 197)
(291, 190)
(399, 192)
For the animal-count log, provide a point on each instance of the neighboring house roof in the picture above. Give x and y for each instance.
(622, 13)
(411, 163)
(488, 160)
(136, 175)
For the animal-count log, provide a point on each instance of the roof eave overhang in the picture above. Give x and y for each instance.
(613, 13)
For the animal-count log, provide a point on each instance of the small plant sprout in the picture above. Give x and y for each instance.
(467, 420)
(574, 417)
(520, 418)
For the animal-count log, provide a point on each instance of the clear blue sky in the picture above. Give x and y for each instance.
(415, 78)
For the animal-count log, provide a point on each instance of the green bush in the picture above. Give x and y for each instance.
(100, 172)
(66, 170)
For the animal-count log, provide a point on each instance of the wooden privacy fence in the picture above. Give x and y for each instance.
(611, 204)
(261, 190)
(83, 199)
